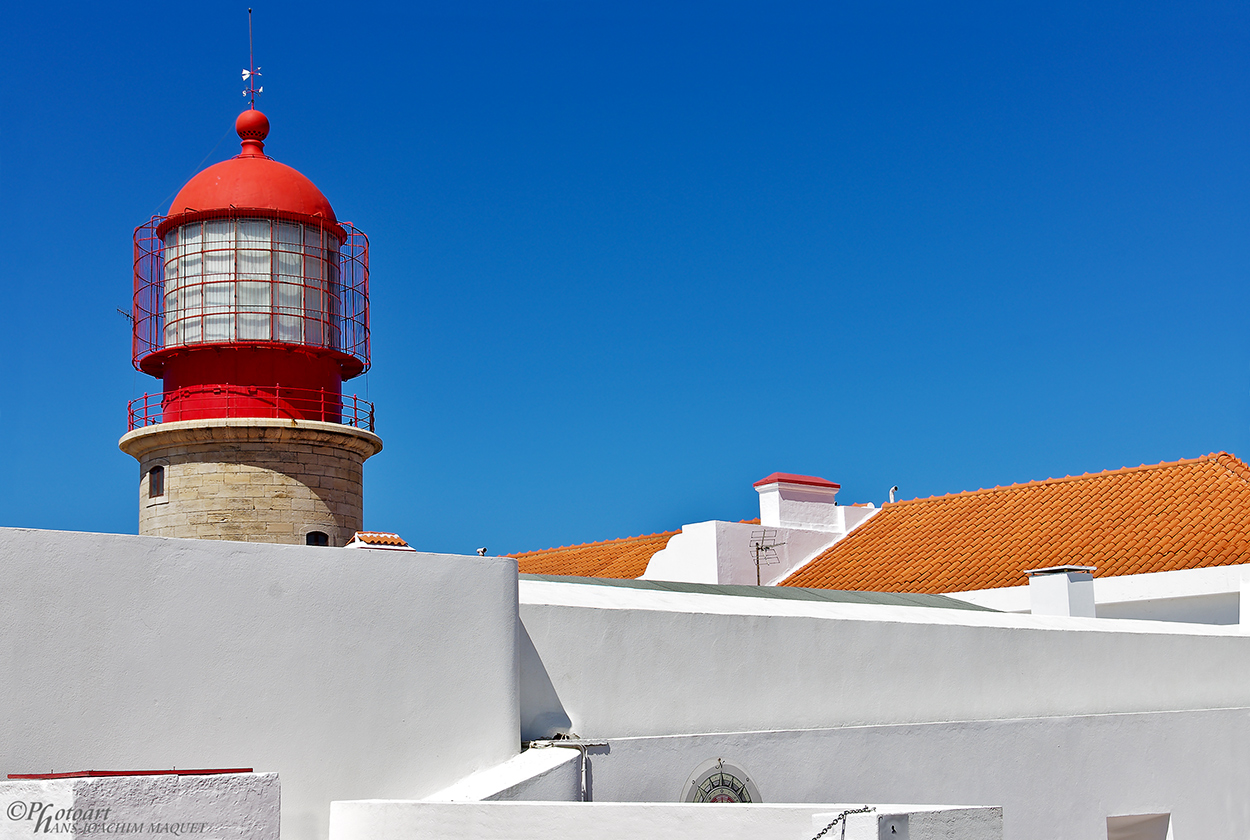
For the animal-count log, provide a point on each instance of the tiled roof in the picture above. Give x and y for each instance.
(379, 538)
(623, 558)
(1179, 515)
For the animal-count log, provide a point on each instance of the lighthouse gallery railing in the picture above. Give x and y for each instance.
(243, 402)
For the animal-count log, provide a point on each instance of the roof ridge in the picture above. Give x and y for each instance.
(596, 543)
(1241, 470)
(1233, 464)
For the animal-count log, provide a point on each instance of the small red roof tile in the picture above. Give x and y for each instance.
(791, 478)
(379, 538)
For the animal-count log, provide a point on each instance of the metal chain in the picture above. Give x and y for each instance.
(866, 809)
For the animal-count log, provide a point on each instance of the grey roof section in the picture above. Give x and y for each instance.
(786, 593)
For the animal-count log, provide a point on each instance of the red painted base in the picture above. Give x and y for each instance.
(261, 380)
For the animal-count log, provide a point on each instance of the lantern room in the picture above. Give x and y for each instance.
(251, 297)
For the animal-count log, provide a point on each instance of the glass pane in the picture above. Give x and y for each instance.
(334, 291)
(219, 264)
(314, 313)
(219, 247)
(313, 267)
(217, 296)
(253, 295)
(218, 233)
(290, 236)
(289, 328)
(253, 265)
(173, 316)
(289, 296)
(254, 232)
(254, 326)
(193, 299)
(313, 333)
(291, 265)
(312, 246)
(217, 327)
(189, 268)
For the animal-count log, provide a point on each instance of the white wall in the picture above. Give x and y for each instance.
(624, 662)
(721, 552)
(1056, 778)
(350, 673)
(225, 806)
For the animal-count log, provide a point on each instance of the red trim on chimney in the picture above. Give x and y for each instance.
(791, 478)
(79, 774)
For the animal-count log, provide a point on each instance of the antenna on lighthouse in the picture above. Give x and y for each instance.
(252, 72)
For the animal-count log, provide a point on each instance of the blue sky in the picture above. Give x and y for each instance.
(629, 258)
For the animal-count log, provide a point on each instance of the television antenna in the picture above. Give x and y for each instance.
(252, 73)
(764, 545)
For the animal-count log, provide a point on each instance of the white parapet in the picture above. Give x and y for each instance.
(915, 822)
(395, 820)
(1243, 598)
(224, 806)
(547, 775)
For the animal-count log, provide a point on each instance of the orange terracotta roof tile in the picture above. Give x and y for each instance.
(379, 538)
(1163, 517)
(623, 558)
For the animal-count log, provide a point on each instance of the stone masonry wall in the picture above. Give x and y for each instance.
(255, 483)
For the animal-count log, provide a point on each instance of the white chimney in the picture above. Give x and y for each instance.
(1062, 590)
(798, 501)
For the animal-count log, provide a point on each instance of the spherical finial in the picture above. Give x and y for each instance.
(252, 125)
(253, 128)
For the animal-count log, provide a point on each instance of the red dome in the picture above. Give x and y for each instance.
(252, 181)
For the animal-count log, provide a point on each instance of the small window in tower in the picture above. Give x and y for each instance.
(317, 538)
(156, 482)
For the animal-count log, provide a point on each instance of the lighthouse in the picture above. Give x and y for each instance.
(251, 305)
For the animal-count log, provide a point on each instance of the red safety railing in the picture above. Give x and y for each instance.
(212, 402)
(241, 289)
